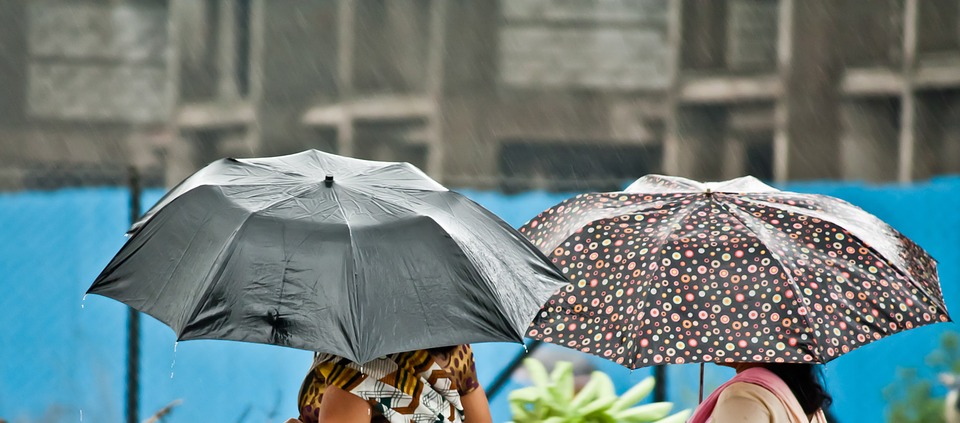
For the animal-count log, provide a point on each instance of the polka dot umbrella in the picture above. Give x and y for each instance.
(676, 271)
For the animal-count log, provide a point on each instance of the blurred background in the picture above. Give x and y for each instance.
(518, 103)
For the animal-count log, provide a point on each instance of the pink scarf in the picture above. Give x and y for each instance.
(764, 378)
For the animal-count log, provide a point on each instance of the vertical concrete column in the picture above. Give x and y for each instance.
(436, 47)
(673, 142)
(908, 98)
(405, 44)
(227, 50)
(346, 37)
(469, 99)
(807, 114)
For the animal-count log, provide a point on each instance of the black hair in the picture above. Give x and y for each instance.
(443, 350)
(805, 381)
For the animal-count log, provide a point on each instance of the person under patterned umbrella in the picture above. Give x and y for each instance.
(767, 393)
(675, 271)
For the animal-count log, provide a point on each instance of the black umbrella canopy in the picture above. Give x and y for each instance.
(676, 271)
(331, 254)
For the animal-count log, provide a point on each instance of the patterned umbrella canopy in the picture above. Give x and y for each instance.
(676, 271)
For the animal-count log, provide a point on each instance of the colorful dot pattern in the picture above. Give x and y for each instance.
(664, 278)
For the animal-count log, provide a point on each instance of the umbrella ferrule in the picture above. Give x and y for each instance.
(328, 181)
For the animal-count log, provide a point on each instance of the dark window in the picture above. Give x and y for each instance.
(939, 30)
(242, 12)
(759, 159)
(560, 166)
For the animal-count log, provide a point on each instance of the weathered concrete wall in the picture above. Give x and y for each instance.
(811, 95)
(97, 62)
(298, 70)
(84, 83)
(604, 44)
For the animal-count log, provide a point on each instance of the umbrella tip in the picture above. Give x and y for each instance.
(328, 181)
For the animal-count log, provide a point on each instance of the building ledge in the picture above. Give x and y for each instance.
(880, 81)
(723, 89)
(214, 115)
(940, 71)
(380, 108)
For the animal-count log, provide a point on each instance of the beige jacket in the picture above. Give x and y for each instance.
(749, 403)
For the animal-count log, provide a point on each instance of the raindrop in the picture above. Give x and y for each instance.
(174, 363)
(81, 415)
(81, 306)
(525, 350)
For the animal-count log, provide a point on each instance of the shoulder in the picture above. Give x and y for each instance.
(748, 402)
(749, 391)
(464, 368)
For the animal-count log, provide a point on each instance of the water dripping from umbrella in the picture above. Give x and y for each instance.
(174, 363)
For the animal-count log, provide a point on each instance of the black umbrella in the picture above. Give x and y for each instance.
(331, 254)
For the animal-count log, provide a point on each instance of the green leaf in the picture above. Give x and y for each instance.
(589, 392)
(525, 395)
(538, 373)
(520, 413)
(606, 385)
(562, 377)
(596, 406)
(680, 417)
(645, 413)
(635, 394)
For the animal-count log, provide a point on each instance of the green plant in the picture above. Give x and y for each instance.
(911, 398)
(552, 399)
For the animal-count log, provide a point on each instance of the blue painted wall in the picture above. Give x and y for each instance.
(62, 358)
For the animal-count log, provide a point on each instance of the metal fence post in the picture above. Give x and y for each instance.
(133, 317)
(504, 376)
(660, 389)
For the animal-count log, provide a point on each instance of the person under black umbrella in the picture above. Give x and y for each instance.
(372, 263)
(411, 386)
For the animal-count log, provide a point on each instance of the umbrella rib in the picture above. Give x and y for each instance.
(794, 285)
(370, 171)
(217, 271)
(593, 216)
(488, 285)
(268, 168)
(166, 283)
(353, 256)
(229, 246)
(659, 247)
(822, 216)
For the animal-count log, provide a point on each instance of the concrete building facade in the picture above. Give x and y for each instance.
(83, 91)
(510, 95)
